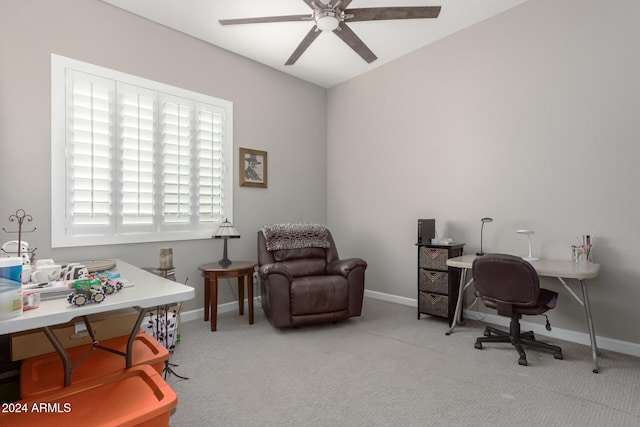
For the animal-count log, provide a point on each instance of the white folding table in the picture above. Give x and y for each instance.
(148, 291)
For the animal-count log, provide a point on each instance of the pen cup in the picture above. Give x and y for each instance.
(575, 253)
(582, 254)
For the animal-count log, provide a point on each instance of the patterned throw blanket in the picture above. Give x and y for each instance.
(295, 236)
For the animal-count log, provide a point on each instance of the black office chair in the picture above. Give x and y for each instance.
(510, 285)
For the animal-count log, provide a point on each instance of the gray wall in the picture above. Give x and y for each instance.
(272, 112)
(530, 117)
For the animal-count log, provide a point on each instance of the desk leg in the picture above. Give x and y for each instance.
(456, 315)
(213, 301)
(592, 333)
(66, 362)
(132, 338)
(241, 294)
(250, 297)
(207, 297)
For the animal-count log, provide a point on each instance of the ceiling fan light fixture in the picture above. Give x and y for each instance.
(327, 20)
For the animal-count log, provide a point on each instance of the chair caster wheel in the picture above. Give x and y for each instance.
(522, 361)
(478, 345)
(595, 371)
(557, 355)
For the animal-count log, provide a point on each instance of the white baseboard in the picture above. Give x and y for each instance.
(605, 343)
(198, 314)
(412, 302)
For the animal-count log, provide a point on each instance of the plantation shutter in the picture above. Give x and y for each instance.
(135, 160)
(209, 140)
(176, 118)
(137, 127)
(90, 173)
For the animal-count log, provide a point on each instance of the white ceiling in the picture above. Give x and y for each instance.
(328, 61)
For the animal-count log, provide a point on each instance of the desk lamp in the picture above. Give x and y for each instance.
(528, 233)
(481, 230)
(226, 231)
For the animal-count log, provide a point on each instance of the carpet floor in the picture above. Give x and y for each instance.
(387, 368)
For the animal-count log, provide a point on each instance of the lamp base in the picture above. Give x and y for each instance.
(225, 261)
(530, 258)
(479, 253)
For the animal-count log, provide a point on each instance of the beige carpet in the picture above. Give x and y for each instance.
(387, 368)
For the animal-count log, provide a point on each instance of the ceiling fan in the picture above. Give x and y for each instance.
(333, 16)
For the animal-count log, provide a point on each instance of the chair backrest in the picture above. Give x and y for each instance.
(504, 281)
(308, 261)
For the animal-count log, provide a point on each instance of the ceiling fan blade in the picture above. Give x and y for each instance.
(265, 19)
(384, 13)
(343, 3)
(304, 44)
(330, 4)
(310, 3)
(354, 42)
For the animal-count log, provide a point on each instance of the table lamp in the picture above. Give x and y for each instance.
(481, 230)
(528, 233)
(226, 231)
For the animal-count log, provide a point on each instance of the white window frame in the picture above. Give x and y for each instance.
(64, 233)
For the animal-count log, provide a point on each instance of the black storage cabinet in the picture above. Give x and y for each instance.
(438, 285)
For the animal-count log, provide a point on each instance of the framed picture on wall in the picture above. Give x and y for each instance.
(253, 168)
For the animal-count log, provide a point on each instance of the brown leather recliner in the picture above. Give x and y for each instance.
(302, 280)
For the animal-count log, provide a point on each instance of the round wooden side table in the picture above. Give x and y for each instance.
(214, 271)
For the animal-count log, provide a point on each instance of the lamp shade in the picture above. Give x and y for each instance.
(226, 230)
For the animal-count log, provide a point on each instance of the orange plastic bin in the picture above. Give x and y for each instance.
(134, 397)
(43, 374)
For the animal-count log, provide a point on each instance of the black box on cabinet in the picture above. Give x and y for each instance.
(426, 230)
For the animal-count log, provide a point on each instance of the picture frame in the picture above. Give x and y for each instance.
(253, 168)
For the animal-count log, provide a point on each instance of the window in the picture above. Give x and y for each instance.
(135, 160)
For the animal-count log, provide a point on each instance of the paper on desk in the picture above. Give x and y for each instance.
(59, 289)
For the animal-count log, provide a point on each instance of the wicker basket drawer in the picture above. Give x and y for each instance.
(433, 258)
(434, 304)
(434, 281)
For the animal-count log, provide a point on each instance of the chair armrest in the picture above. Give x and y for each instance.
(345, 266)
(266, 270)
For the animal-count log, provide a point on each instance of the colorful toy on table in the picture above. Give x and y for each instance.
(85, 290)
(93, 287)
(110, 281)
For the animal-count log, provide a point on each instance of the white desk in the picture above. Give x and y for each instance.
(560, 269)
(149, 291)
